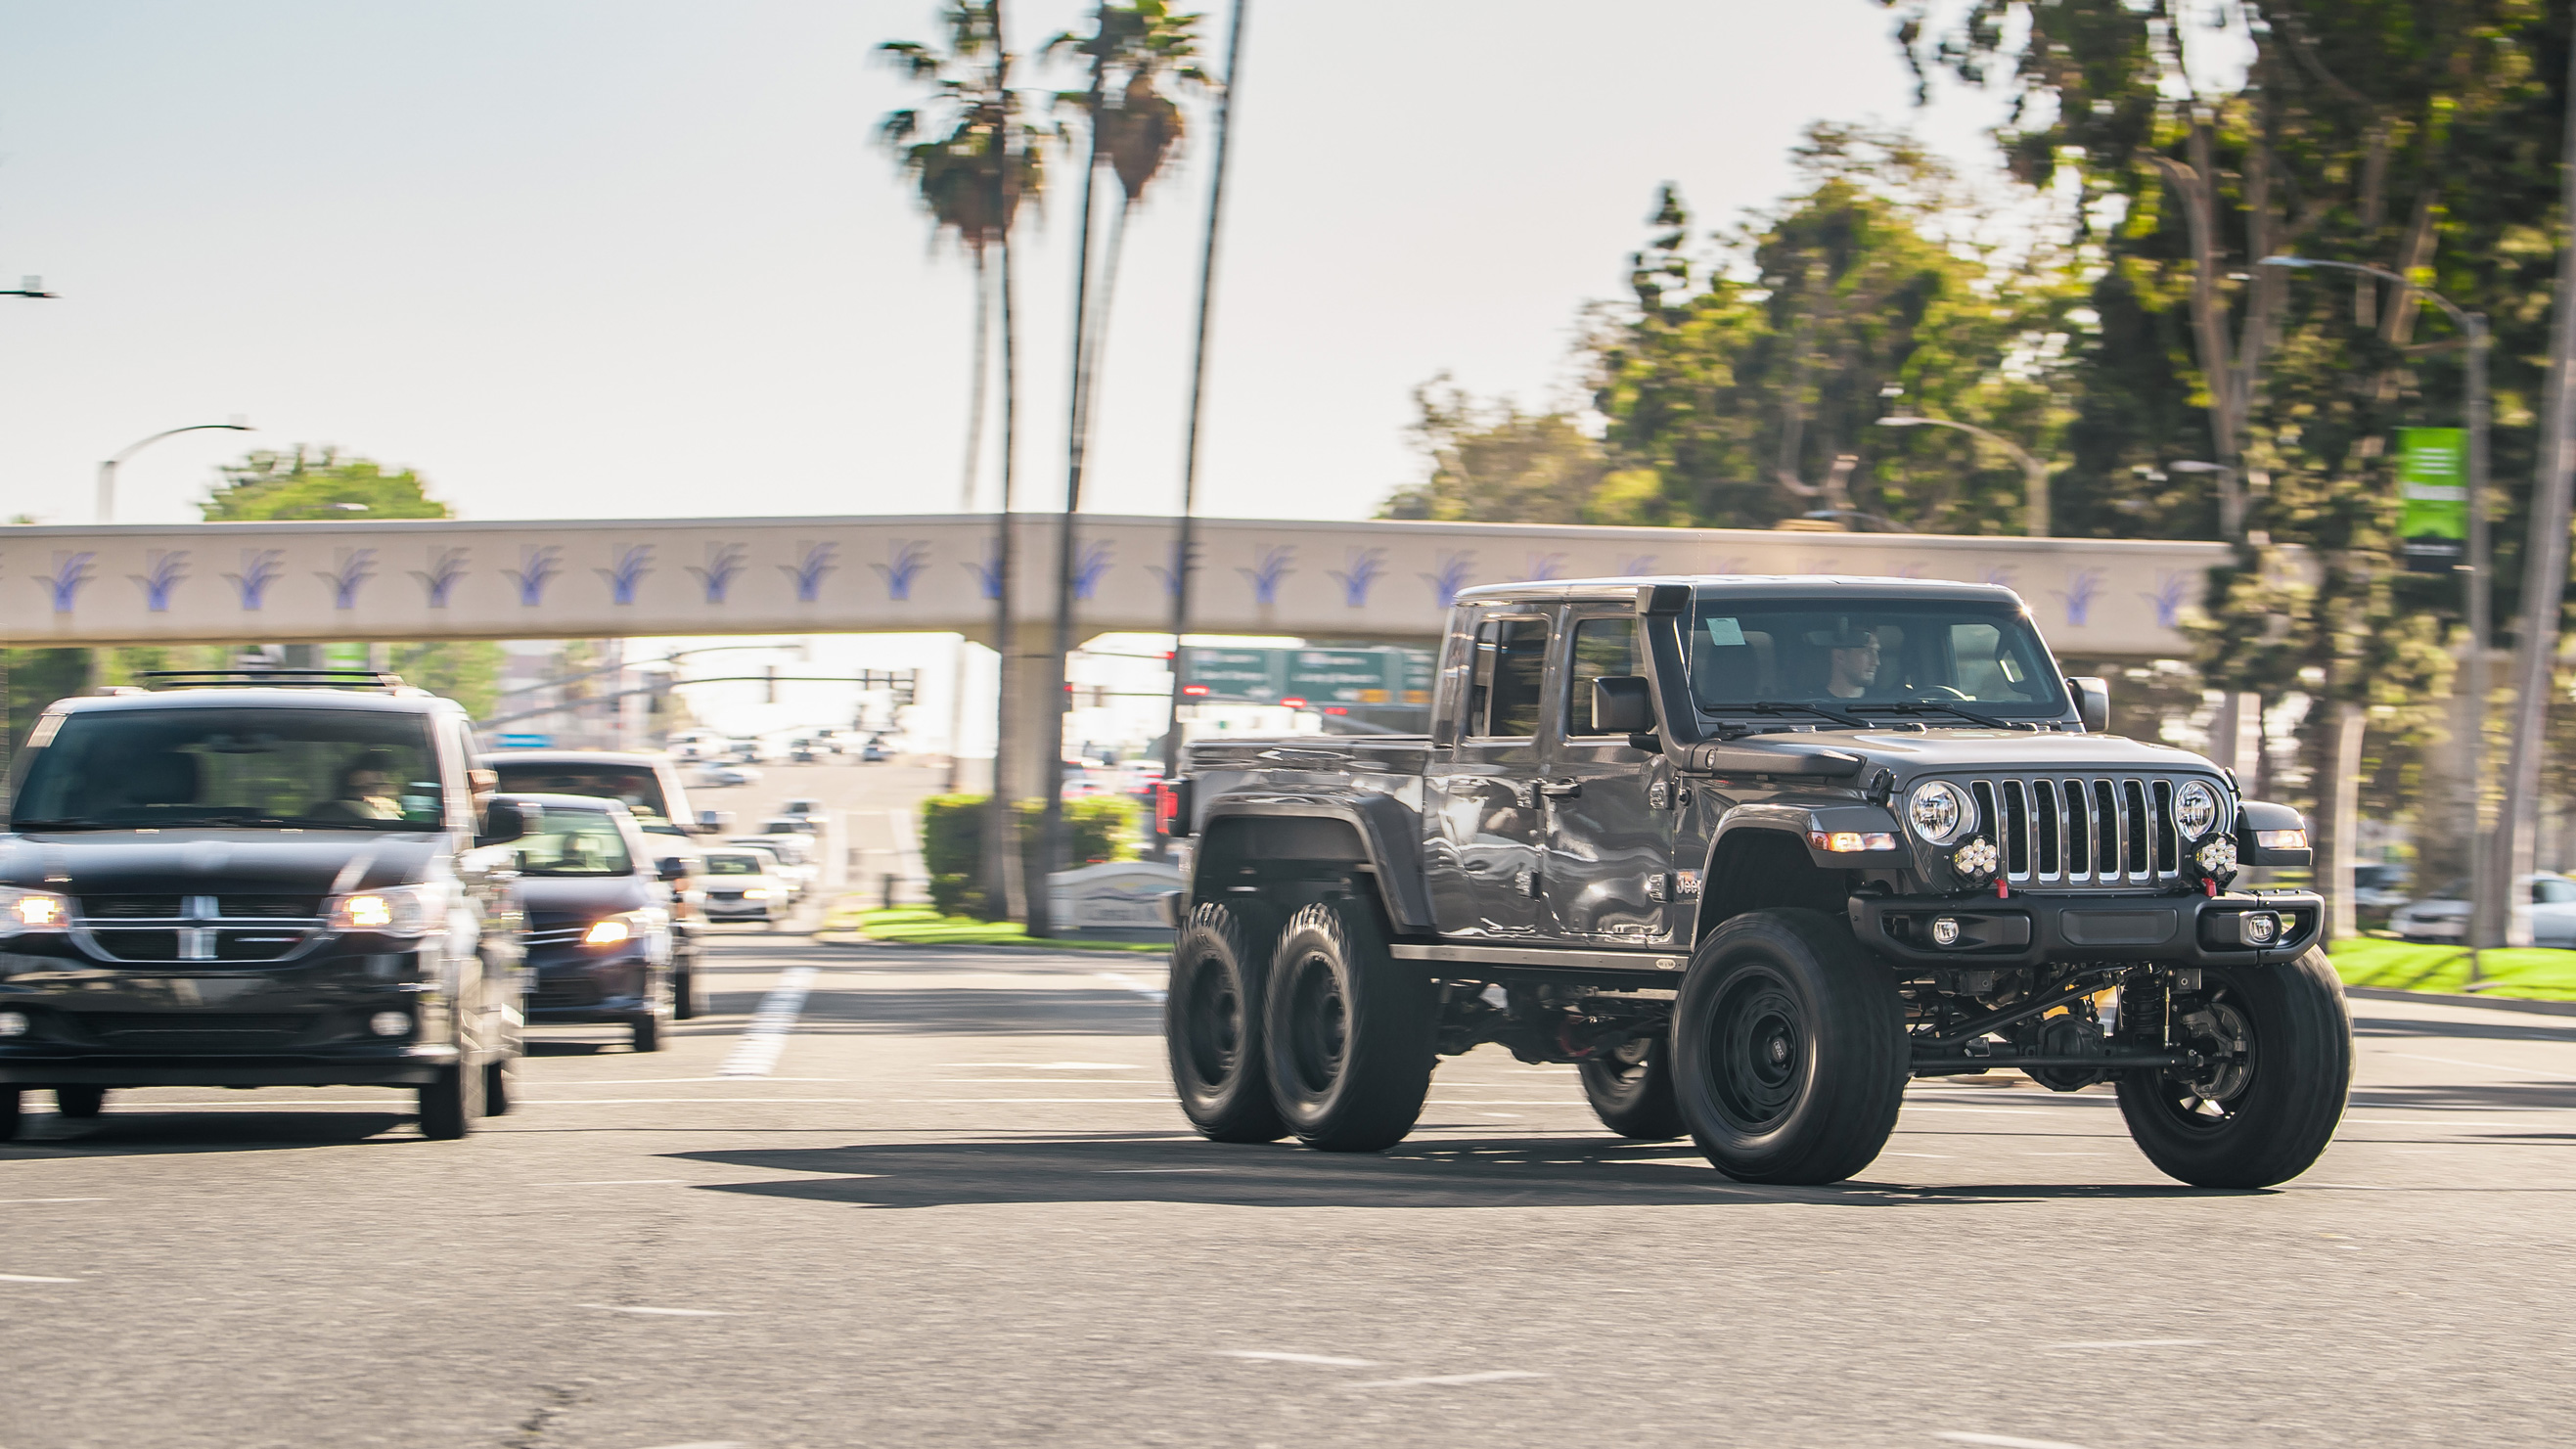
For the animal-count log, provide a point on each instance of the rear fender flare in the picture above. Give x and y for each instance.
(1382, 832)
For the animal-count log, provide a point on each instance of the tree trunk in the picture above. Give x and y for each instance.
(2339, 811)
(966, 504)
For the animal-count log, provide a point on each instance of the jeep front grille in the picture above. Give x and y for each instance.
(2098, 830)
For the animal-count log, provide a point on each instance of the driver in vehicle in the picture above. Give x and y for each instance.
(1853, 661)
(366, 790)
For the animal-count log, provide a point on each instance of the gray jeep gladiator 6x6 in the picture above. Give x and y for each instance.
(1752, 853)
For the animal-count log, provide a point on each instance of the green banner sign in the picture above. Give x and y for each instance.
(1328, 680)
(2432, 479)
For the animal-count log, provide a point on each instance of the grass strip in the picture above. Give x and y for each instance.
(925, 926)
(2529, 973)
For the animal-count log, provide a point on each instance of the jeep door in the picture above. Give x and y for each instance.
(1482, 816)
(1609, 830)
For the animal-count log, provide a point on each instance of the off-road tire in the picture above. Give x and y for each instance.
(1789, 1050)
(684, 991)
(496, 1088)
(80, 1103)
(11, 1118)
(1212, 1021)
(648, 1031)
(1635, 1099)
(450, 1103)
(2279, 1122)
(1351, 1032)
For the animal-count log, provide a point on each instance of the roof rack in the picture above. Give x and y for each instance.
(288, 678)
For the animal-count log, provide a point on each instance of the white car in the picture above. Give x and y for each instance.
(787, 860)
(714, 776)
(2443, 916)
(735, 885)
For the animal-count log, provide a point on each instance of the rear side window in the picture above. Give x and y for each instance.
(1601, 647)
(1511, 665)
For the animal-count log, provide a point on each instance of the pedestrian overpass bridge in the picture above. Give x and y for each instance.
(589, 578)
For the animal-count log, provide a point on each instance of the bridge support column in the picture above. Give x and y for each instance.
(1031, 673)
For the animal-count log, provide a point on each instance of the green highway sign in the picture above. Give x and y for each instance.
(1328, 680)
(2432, 480)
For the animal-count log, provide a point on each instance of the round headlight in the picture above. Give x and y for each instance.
(1940, 811)
(2195, 809)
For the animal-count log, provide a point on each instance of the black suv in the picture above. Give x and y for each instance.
(277, 880)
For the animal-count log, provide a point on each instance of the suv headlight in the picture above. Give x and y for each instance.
(23, 911)
(1940, 812)
(2195, 810)
(619, 929)
(414, 910)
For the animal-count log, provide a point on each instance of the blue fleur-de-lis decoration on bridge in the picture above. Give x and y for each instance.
(988, 574)
(1171, 576)
(631, 564)
(446, 566)
(259, 570)
(1269, 568)
(2083, 586)
(1091, 567)
(2173, 590)
(724, 565)
(1731, 564)
(537, 564)
(1906, 571)
(1544, 566)
(1452, 575)
(905, 559)
(1368, 565)
(163, 570)
(809, 569)
(357, 565)
(71, 570)
(2001, 576)
(1637, 565)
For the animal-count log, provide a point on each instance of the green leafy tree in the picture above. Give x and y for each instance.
(1748, 384)
(1493, 463)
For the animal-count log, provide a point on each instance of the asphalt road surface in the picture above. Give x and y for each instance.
(945, 1199)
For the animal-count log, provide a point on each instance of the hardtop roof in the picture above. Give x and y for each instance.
(1758, 586)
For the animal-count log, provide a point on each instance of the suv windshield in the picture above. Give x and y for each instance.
(734, 865)
(574, 842)
(341, 769)
(1857, 655)
(636, 786)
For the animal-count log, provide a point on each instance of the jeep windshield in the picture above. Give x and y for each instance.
(251, 767)
(1909, 659)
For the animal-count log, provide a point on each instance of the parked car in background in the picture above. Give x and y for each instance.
(792, 825)
(599, 911)
(874, 752)
(2443, 915)
(801, 806)
(2377, 886)
(785, 857)
(737, 886)
(719, 777)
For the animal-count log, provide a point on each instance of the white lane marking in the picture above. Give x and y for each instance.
(1322, 1358)
(30, 1278)
(1490, 1376)
(619, 1182)
(766, 1037)
(707, 1444)
(2132, 1343)
(2007, 1441)
(1136, 1171)
(13, 1201)
(1154, 993)
(662, 1312)
(1915, 1154)
(2489, 1066)
(1052, 1066)
(1982, 1111)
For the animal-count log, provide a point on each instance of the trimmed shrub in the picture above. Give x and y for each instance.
(1097, 829)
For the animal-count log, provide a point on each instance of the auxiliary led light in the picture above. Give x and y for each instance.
(1945, 931)
(389, 1023)
(1977, 858)
(2217, 858)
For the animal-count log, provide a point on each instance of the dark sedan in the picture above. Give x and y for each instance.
(599, 917)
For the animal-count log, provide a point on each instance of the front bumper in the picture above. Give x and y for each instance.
(2028, 928)
(397, 1065)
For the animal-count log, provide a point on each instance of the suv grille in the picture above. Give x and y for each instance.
(237, 929)
(2102, 830)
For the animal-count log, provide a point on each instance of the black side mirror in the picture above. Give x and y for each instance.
(503, 822)
(2092, 702)
(1621, 705)
(671, 868)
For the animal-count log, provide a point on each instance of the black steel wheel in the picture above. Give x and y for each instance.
(2263, 1110)
(1631, 1089)
(80, 1102)
(684, 990)
(1351, 1031)
(648, 1032)
(496, 1088)
(10, 1116)
(1789, 1051)
(1212, 1027)
(450, 1103)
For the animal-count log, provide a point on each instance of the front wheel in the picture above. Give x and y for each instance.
(1212, 1021)
(1789, 1051)
(10, 1116)
(80, 1102)
(2280, 1039)
(496, 1088)
(684, 991)
(1631, 1089)
(451, 1101)
(1352, 1031)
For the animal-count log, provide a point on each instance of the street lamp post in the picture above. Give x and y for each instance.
(107, 470)
(2488, 898)
(2034, 473)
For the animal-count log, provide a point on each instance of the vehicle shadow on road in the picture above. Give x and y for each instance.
(2391, 1026)
(1109, 1011)
(139, 1130)
(1446, 1173)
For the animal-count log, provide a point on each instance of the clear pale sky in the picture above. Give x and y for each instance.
(640, 257)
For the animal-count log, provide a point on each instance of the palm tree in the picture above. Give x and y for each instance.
(972, 177)
(1136, 129)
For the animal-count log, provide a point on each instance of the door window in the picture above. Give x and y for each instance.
(1601, 647)
(1511, 664)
